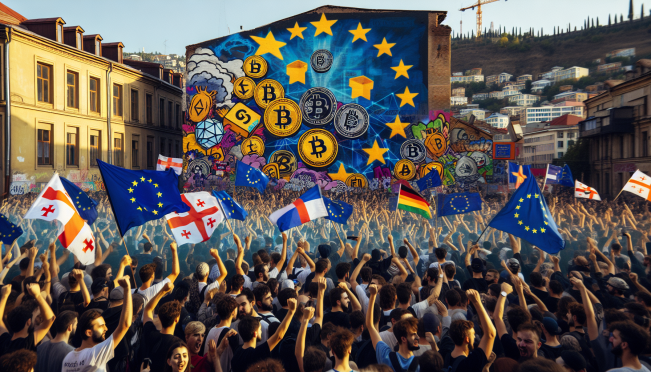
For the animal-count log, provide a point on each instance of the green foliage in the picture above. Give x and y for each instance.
(493, 104)
(577, 157)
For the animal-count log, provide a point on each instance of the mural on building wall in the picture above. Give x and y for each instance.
(334, 99)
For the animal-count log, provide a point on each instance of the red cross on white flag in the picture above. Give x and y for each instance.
(584, 191)
(54, 203)
(639, 184)
(164, 163)
(198, 224)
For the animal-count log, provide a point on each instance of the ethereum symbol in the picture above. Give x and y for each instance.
(198, 108)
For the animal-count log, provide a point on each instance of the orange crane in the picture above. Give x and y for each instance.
(478, 6)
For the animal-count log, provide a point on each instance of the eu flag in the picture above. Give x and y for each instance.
(8, 231)
(458, 203)
(431, 179)
(250, 177)
(138, 196)
(566, 177)
(230, 207)
(526, 216)
(86, 206)
(338, 211)
(515, 168)
(553, 175)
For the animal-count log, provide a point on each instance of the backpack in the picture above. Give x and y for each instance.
(455, 365)
(365, 354)
(393, 358)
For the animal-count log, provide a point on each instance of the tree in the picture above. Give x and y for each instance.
(642, 12)
(630, 10)
(592, 22)
(597, 21)
(621, 18)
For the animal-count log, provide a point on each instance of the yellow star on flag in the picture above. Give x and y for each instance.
(149, 180)
(156, 185)
(521, 200)
(406, 97)
(296, 31)
(155, 212)
(341, 174)
(384, 48)
(323, 25)
(517, 207)
(536, 196)
(359, 33)
(160, 205)
(375, 153)
(517, 215)
(535, 231)
(401, 70)
(397, 127)
(542, 229)
(269, 44)
(159, 194)
(142, 179)
(133, 200)
(528, 196)
(526, 228)
(519, 222)
(135, 183)
(140, 209)
(130, 190)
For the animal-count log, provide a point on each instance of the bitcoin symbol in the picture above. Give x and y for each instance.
(255, 67)
(356, 180)
(241, 115)
(284, 163)
(243, 87)
(318, 106)
(318, 147)
(404, 169)
(320, 60)
(253, 145)
(268, 91)
(413, 151)
(315, 106)
(439, 143)
(351, 120)
(283, 119)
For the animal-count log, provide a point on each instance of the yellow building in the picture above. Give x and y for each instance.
(69, 98)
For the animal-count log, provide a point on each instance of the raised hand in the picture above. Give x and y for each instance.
(126, 260)
(291, 304)
(124, 283)
(372, 289)
(443, 311)
(507, 288)
(308, 313)
(173, 246)
(34, 289)
(366, 257)
(322, 284)
(78, 274)
(473, 296)
(633, 277)
(168, 287)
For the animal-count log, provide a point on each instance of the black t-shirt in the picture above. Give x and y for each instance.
(339, 318)
(551, 352)
(510, 347)
(244, 358)
(478, 284)
(542, 295)
(102, 305)
(551, 303)
(8, 346)
(75, 299)
(156, 345)
(475, 362)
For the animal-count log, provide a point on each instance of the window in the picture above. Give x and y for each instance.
(59, 32)
(178, 150)
(645, 144)
(80, 45)
(161, 149)
(44, 146)
(95, 147)
(94, 95)
(560, 144)
(118, 150)
(134, 151)
(621, 147)
(633, 146)
(98, 48)
(178, 115)
(117, 100)
(560, 154)
(559, 135)
(150, 152)
(149, 100)
(44, 82)
(570, 135)
(170, 112)
(72, 86)
(72, 146)
(134, 106)
(161, 112)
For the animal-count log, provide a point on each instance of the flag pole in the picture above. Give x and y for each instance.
(545, 180)
(225, 217)
(620, 191)
(332, 224)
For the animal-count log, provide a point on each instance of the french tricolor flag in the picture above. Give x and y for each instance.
(308, 207)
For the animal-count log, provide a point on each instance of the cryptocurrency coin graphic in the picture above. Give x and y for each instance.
(286, 162)
(244, 87)
(413, 150)
(267, 91)
(321, 60)
(357, 180)
(283, 117)
(255, 67)
(436, 145)
(271, 170)
(351, 120)
(404, 170)
(318, 106)
(201, 104)
(253, 145)
(424, 169)
(317, 148)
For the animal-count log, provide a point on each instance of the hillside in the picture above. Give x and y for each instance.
(534, 55)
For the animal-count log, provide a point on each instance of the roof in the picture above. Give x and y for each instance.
(570, 103)
(93, 36)
(119, 43)
(644, 63)
(566, 120)
(73, 28)
(43, 20)
(10, 16)
(497, 114)
(612, 83)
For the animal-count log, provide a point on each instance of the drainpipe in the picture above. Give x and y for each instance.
(7, 115)
(109, 96)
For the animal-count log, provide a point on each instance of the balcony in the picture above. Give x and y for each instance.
(611, 121)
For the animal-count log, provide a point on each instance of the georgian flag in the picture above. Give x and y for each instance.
(307, 207)
(200, 222)
(584, 191)
(54, 203)
(164, 163)
(639, 184)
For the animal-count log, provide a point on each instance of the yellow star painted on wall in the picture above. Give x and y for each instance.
(269, 44)
(359, 33)
(341, 174)
(296, 71)
(397, 127)
(296, 31)
(406, 97)
(384, 47)
(401, 70)
(323, 25)
(375, 153)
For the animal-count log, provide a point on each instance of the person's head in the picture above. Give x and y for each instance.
(201, 271)
(102, 271)
(357, 321)
(313, 359)
(341, 343)
(24, 265)
(453, 298)
(572, 361)
(147, 247)
(237, 282)
(194, 336)
(616, 247)
(366, 273)
(432, 275)
(178, 357)
(249, 328)
(327, 331)
(263, 298)
(404, 291)
(440, 253)
(92, 327)
(245, 303)
(339, 298)
(406, 332)
(576, 314)
(555, 287)
(285, 295)
(20, 318)
(492, 276)
(431, 361)
(261, 272)
(616, 286)
(429, 323)
(450, 271)
(516, 316)
(462, 333)
(275, 258)
(342, 270)
(378, 280)
(267, 365)
(505, 364)
(169, 314)
(322, 266)
(388, 297)
(147, 272)
(643, 298)
(528, 340)
(19, 361)
(227, 308)
(536, 279)
(66, 321)
(628, 337)
(100, 288)
(540, 365)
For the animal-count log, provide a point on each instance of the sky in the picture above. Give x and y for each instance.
(168, 26)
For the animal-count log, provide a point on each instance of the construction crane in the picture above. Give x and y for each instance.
(478, 6)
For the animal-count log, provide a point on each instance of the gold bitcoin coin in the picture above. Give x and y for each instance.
(404, 169)
(244, 87)
(357, 180)
(283, 117)
(436, 145)
(271, 170)
(317, 148)
(424, 169)
(253, 145)
(255, 67)
(286, 162)
(268, 91)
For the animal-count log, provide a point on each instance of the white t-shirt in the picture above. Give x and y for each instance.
(302, 276)
(93, 359)
(227, 355)
(150, 292)
(389, 338)
(247, 282)
(360, 291)
(273, 273)
(420, 308)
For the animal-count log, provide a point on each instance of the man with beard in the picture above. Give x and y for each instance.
(629, 340)
(245, 302)
(51, 353)
(340, 300)
(263, 300)
(20, 331)
(96, 350)
(261, 272)
(528, 341)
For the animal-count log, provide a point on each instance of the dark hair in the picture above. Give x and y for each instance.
(248, 293)
(357, 319)
(267, 365)
(64, 320)
(637, 309)
(576, 309)
(17, 318)
(19, 361)
(225, 307)
(272, 283)
(260, 292)
(341, 342)
(404, 292)
(563, 305)
(169, 354)
(259, 269)
(147, 247)
(452, 298)
(342, 269)
(388, 297)
(459, 330)
(449, 270)
(247, 327)
(275, 258)
(237, 282)
(285, 295)
(644, 297)
(495, 288)
(147, 271)
(380, 279)
(335, 295)
(530, 327)
(536, 279)
(24, 264)
(314, 359)
(540, 365)
(440, 253)
(631, 333)
(366, 273)
(86, 321)
(169, 312)
(614, 315)
(431, 361)
(100, 271)
(555, 287)
(321, 265)
(516, 316)
(327, 329)
(181, 291)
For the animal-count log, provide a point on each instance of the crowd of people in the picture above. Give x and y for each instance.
(389, 291)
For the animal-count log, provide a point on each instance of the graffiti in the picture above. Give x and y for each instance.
(19, 188)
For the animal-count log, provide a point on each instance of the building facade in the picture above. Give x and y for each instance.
(466, 79)
(499, 121)
(539, 85)
(548, 113)
(479, 96)
(543, 145)
(72, 100)
(458, 101)
(524, 99)
(459, 92)
(523, 78)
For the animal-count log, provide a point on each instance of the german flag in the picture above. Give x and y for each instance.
(409, 200)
